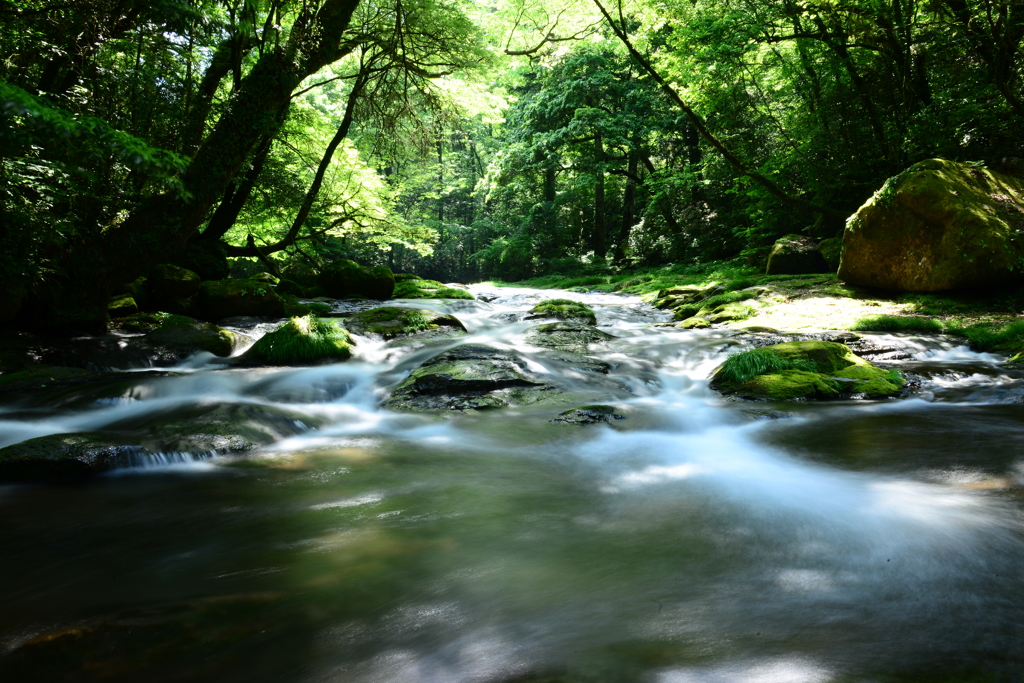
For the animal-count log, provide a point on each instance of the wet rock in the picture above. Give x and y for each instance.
(939, 225)
(478, 377)
(570, 335)
(389, 322)
(796, 255)
(563, 309)
(586, 415)
(304, 275)
(344, 278)
(187, 433)
(174, 337)
(172, 289)
(219, 299)
(804, 369)
(694, 323)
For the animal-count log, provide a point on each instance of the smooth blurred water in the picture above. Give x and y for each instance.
(692, 541)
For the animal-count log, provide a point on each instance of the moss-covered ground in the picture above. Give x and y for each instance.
(988, 320)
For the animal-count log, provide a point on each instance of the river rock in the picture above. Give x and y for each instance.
(412, 287)
(832, 251)
(586, 415)
(205, 258)
(389, 322)
(219, 299)
(345, 278)
(175, 337)
(194, 431)
(563, 309)
(122, 305)
(939, 225)
(795, 255)
(568, 335)
(478, 377)
(803, 369)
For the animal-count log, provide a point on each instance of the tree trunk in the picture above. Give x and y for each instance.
(599, 235)
(628, 201)
(160, 226)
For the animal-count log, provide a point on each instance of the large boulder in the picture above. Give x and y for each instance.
(939, 225)
(206, 258)
(219, 299)
(412, 287)
(344, 278)
(569, 335)
(563, 309)
(804, 369)
(174, 337)
(796, 255)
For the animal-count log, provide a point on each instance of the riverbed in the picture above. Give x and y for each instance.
(696, 539)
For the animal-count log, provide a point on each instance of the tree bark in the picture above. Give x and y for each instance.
(599, 236)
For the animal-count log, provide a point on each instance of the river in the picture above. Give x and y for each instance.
(697, 539)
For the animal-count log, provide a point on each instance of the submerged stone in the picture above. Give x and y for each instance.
(585, 415)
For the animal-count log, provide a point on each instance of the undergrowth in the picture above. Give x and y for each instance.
(897, 323)
(749, 364)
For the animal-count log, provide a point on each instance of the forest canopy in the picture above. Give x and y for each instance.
(467, 140)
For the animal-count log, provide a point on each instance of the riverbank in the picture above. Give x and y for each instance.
(747, 298)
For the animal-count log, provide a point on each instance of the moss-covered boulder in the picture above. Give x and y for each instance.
(804, 369)
(304, 275)
(219, 299)
(171, 288)
(344, 278)
(568, 335)
(832, 251)
(302, 341)
(412, 287)
(178, 335)
(390, 322)
(563, 309)
(795, 255)
(122, 305)
(938, 225)
(65, 456)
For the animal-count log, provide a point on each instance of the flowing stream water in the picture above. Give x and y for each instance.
(694, 540)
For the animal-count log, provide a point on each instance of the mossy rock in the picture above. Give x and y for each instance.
(171, 288)
(302, 341)
(57, 457)
(474, 377)
(392, 321)
(343, 278)
(585, 415)
(304, 275)
(415, 288)
(39, 377)
(695, 323)
(219, 299)
(832, 251)
(122, 305)
(568, 335)
(205, 258)
(269, 278)
(804, 369)
(286, 286)
(563, 309)
(795, 255)
(179, 334)
(939, 225)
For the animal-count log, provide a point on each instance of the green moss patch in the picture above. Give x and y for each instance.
(303, 341)
(415, 288)
(897, 323)
(564, 309)
(803, 369)
(393, 321)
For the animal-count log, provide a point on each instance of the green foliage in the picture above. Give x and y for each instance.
(992, 337)
(746, 365)
(898, 323)
(303, 340)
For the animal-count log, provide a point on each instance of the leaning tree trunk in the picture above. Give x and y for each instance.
(161, 225)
